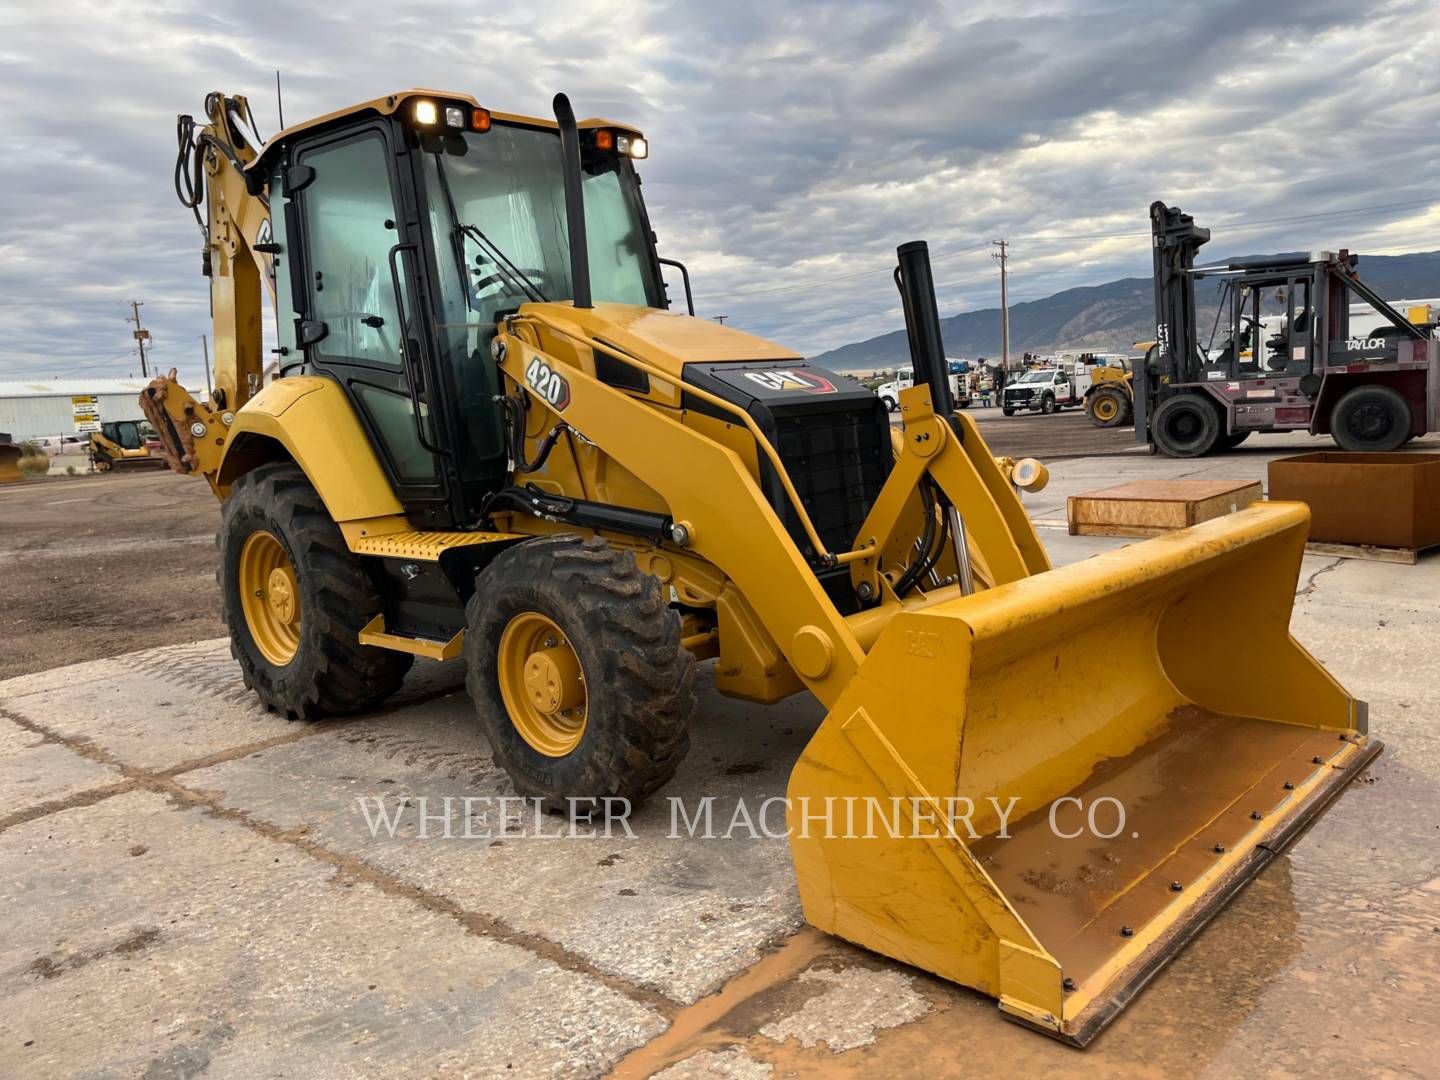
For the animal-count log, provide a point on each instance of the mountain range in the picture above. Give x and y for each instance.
(1102, 318)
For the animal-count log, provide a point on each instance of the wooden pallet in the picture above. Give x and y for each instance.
(1372, 552)
(1153, 507)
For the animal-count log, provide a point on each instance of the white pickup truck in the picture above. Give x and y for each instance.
(1044, 390)
(889, 392)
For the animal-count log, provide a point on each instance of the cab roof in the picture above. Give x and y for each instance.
(392, 103)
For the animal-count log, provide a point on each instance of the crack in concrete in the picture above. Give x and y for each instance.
(348, 869)
(1310, 582)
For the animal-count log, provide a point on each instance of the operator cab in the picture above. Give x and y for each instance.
(403, 232)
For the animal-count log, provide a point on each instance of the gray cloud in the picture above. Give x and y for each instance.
(794, 143)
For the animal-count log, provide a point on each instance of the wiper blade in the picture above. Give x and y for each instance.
(474, 232)
(502, 261)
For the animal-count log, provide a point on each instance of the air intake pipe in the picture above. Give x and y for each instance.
(574, 201)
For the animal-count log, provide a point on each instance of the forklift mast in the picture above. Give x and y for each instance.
(1175, 239)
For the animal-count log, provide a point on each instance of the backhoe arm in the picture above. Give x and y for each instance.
(233, 211)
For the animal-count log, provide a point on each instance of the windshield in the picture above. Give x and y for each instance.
(497, 218)
(1036, 376)
(506, 187)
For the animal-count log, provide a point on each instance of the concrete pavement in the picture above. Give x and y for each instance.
(191, 886)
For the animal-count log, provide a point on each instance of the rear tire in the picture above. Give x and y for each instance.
(1371, 420)
(1106, 408)
(1186, 426)
(626, 733)
(1229, 442)
(328, 672)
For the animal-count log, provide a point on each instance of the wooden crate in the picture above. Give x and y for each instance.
(1152, 507)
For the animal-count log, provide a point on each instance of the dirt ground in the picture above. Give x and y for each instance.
(102, 565)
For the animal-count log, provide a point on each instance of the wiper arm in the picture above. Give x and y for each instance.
(502, 261)
(498, 257)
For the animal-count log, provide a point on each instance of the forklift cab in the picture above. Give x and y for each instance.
(1261, 342)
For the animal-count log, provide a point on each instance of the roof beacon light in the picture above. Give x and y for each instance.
(480, 119)
(427, 113)
(604, 140)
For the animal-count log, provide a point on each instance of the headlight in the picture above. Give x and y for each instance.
(454, 116)
(633, 145)
(426, 113)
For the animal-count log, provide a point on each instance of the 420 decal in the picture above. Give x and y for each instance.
(549, 385)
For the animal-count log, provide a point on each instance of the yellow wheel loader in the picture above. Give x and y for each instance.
(492, 436)
(1110, 401)
(9, 460)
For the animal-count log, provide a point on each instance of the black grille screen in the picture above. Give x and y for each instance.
(837, 462)
(831, 433)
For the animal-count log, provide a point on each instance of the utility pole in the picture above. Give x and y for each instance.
(1000, 257)
(720, 318)
(205, 349)
(141, 336)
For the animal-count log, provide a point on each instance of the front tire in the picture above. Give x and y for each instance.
(1008, 412)
(1106, 408)
(1371, 420)
(1047, 404)
(890, 404)
(577, 672)
(296, 600)
(1186, 426)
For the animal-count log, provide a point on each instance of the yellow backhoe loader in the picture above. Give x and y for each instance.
(492, 436)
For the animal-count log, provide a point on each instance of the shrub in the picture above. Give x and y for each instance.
(34, 461)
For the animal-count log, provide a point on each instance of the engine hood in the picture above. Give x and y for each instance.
(667, 339)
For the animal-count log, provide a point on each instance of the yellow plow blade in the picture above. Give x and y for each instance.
(10, 464)
(1044, 790)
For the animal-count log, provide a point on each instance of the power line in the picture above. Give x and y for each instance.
(1042, 238)
(1000, 257)
(817, 283)
(141, 336)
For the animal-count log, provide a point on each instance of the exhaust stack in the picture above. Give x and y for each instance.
(922, 324)
(574, 202)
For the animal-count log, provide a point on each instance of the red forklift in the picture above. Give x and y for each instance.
(1298, 370)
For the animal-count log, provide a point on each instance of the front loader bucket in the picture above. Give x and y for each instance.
(10, 464)
(1161, 735)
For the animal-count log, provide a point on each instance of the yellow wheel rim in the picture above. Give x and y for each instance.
(542, 684)
(270, 598)
(1106, 407)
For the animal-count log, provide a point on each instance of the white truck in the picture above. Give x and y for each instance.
(889, 392)
(1044, 390)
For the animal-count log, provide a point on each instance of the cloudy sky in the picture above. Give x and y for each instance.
(794, 143)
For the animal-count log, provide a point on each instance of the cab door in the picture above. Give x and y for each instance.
(360, 318)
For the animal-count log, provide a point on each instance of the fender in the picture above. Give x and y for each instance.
(309, 419)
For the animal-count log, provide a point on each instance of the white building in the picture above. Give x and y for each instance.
(36, 408)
